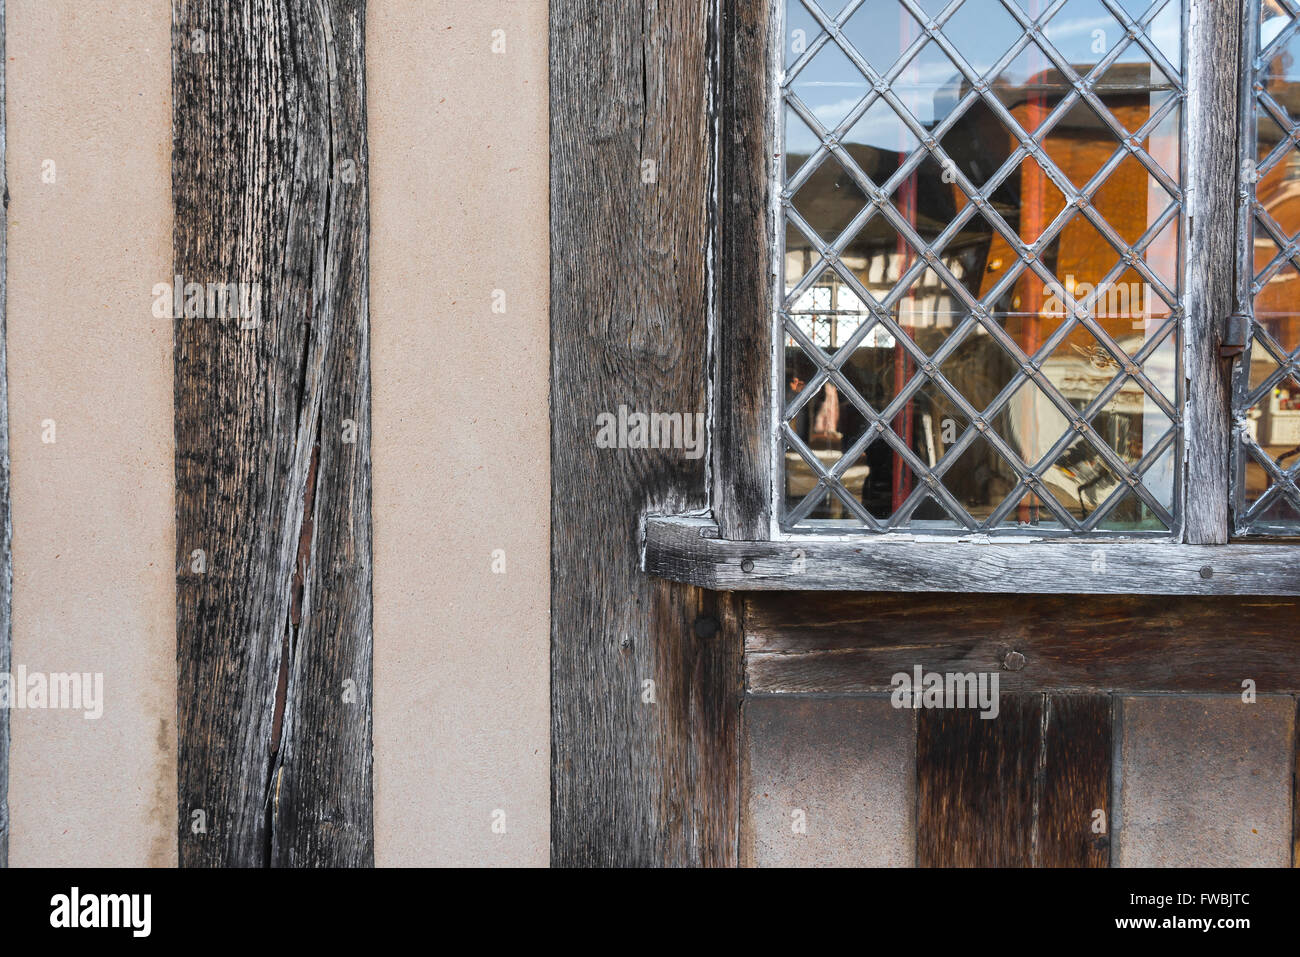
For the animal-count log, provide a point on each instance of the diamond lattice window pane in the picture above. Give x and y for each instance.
(800, 142)
(801, 32)
(1267, 386)
(957, 334)
(1131, 423)
(1030, 86)
(982, 33)
(830, 85)
(881, 30)
(829, 199)
(1031, 423)
(1083, 31)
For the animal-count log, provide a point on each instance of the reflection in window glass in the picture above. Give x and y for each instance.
(980, 335)
(1267, 394)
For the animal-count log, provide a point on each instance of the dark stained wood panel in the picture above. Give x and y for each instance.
(697, 720)
(272, 435)
(975, 785)
(816, 642)
(1016, 790)
(631, 181)
(1074, 782)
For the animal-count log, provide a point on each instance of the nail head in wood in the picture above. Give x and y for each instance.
(1013, 661)
(706, 626)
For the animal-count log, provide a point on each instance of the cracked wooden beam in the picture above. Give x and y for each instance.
(272, 416)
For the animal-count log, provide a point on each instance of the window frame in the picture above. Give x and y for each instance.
(740, 546)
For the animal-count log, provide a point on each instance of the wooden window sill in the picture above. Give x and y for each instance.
(688, 549)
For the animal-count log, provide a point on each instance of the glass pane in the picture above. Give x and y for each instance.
(1268, 450)
(979, 257)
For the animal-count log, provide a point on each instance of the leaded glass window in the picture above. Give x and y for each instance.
(1267, 385)
(980, 266)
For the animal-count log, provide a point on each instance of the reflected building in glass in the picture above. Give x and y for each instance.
(958, 400)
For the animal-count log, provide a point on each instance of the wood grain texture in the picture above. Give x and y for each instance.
(975, 782)
(742, 458)
(687, 549)
(1074, 782)
(1018, 790)
(1295, 797)
(6, 521)
(631, 783)
(815, 642)
(272, 435)
(1213, 49)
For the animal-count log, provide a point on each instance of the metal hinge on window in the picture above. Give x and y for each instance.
(1235, 330)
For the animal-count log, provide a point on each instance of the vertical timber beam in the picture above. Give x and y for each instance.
(741, 444)
(1213, 35)
(641, 774)
(272, 417)
(6, 523)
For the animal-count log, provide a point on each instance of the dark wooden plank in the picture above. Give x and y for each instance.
(630, 184)
(975, 785)
(272, 435)
(687, 549)
(696, 719)
(742, 464)
(1295, 797)
(815, 642)
(1213, 39)
(1017, 790)
(1074, 782)
(6, 522)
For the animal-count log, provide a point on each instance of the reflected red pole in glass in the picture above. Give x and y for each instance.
(902, 475)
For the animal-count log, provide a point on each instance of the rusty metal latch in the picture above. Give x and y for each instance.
(1235, 329)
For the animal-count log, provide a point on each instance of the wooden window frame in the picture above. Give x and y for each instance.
(739, 548)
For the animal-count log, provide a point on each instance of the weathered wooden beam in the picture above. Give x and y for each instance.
(741, 443)
(272, 417)
(1295, 796)
(1212, 39)
(815, 642)
(633, 781)
(1020, 790)
(975, 785)
(6, 522)
(689, 550)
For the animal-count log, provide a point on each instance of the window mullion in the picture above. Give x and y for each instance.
(1214, 39)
